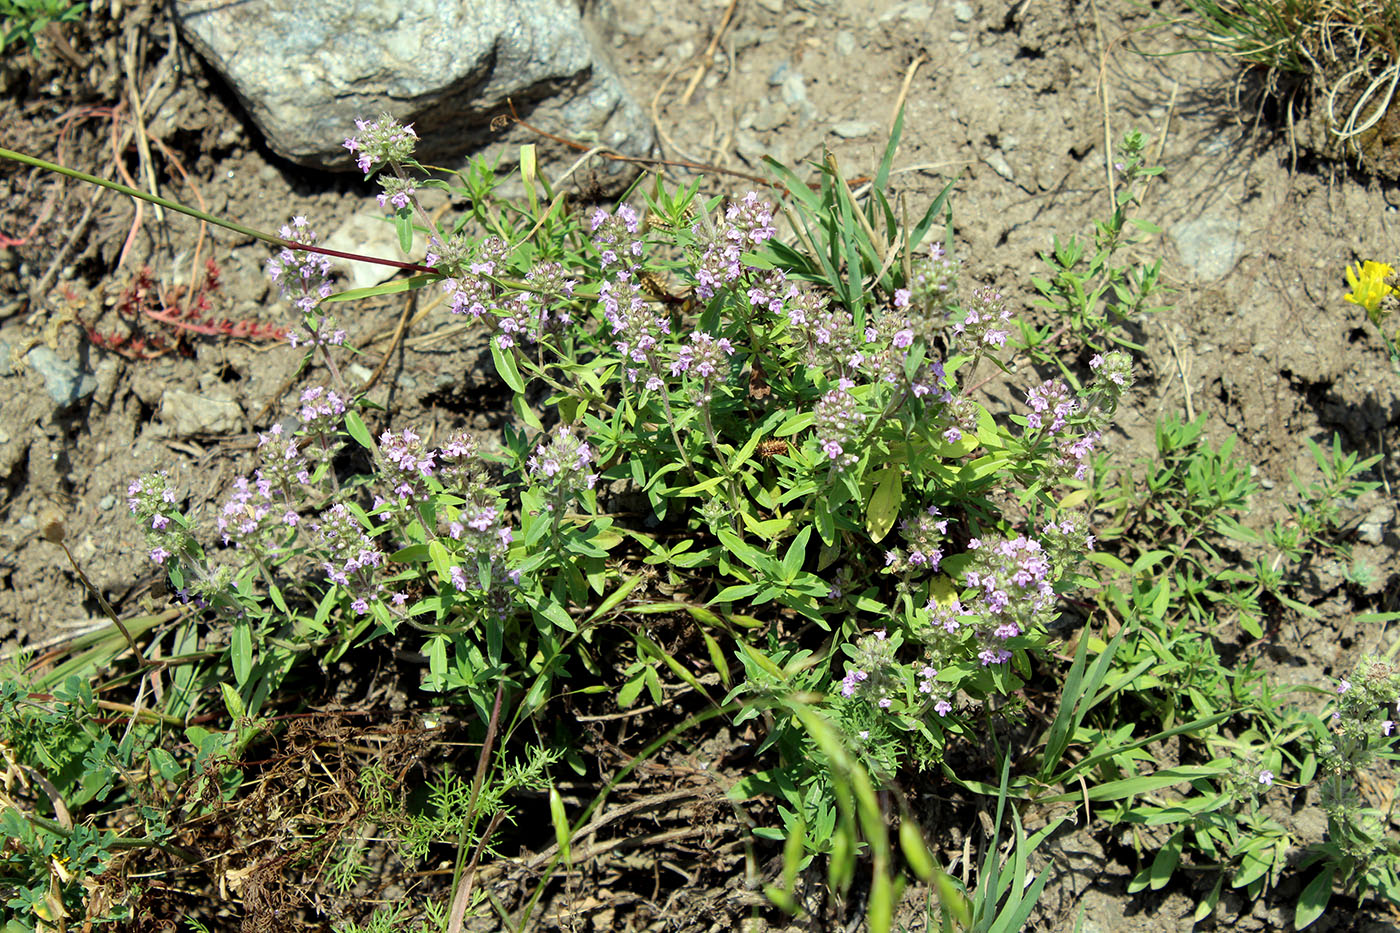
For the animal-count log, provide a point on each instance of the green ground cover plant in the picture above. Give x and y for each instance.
(773, 442)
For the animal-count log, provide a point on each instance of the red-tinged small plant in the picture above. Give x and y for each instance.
(159, 319)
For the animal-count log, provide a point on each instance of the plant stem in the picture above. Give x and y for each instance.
(202, 215)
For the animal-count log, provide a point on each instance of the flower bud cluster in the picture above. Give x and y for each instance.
(380, 141)
(1113, 375)
(397, 191)
(933, 289)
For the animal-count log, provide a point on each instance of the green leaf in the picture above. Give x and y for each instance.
(630, 691)
(523, 411)
(233, 703)
(441, 560)
(884, 504)
(1165, 862)
(403, 223)
(355, 427)
(1313, 901)
(391, 287)
(241, 651)
(506, 368)
(562, 833)
(796, 553)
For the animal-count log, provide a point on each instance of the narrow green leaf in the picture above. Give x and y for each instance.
(915, 849)
(355, 427)
(506, 368)
(241, 651)
(562, 833)
(523, 411)
(391, 287)
(403, 223)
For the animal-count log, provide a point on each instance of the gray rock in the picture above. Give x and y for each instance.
(369, 236)
(1372, 527)
(963, 12)
(187, 413)
(65, 381)
(107, 502)
(854, 129)
(794, 89)
(305, 71)
(845, 42)
(1208, 246)
(999, 165)
(771, 115)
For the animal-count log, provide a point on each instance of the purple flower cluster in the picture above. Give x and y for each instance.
(923, 538)
(705, 358)
(562, 466)
(828, 334)
(351, 559)
(379, 141)
(526, 317)
(257, 510)
(152, 501)
(616, 237)
(1052, 408)
(409, 465)
(984, 326)
(1014, 590)
(637, 327)
(747, 224)
(303, 277)
(470, 289)
(837, 420)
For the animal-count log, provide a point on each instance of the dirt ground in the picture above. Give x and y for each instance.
(1014, 100)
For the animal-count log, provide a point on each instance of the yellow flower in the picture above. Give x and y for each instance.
(1368, 285)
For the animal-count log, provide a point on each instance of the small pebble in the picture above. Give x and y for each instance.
(963, 12)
